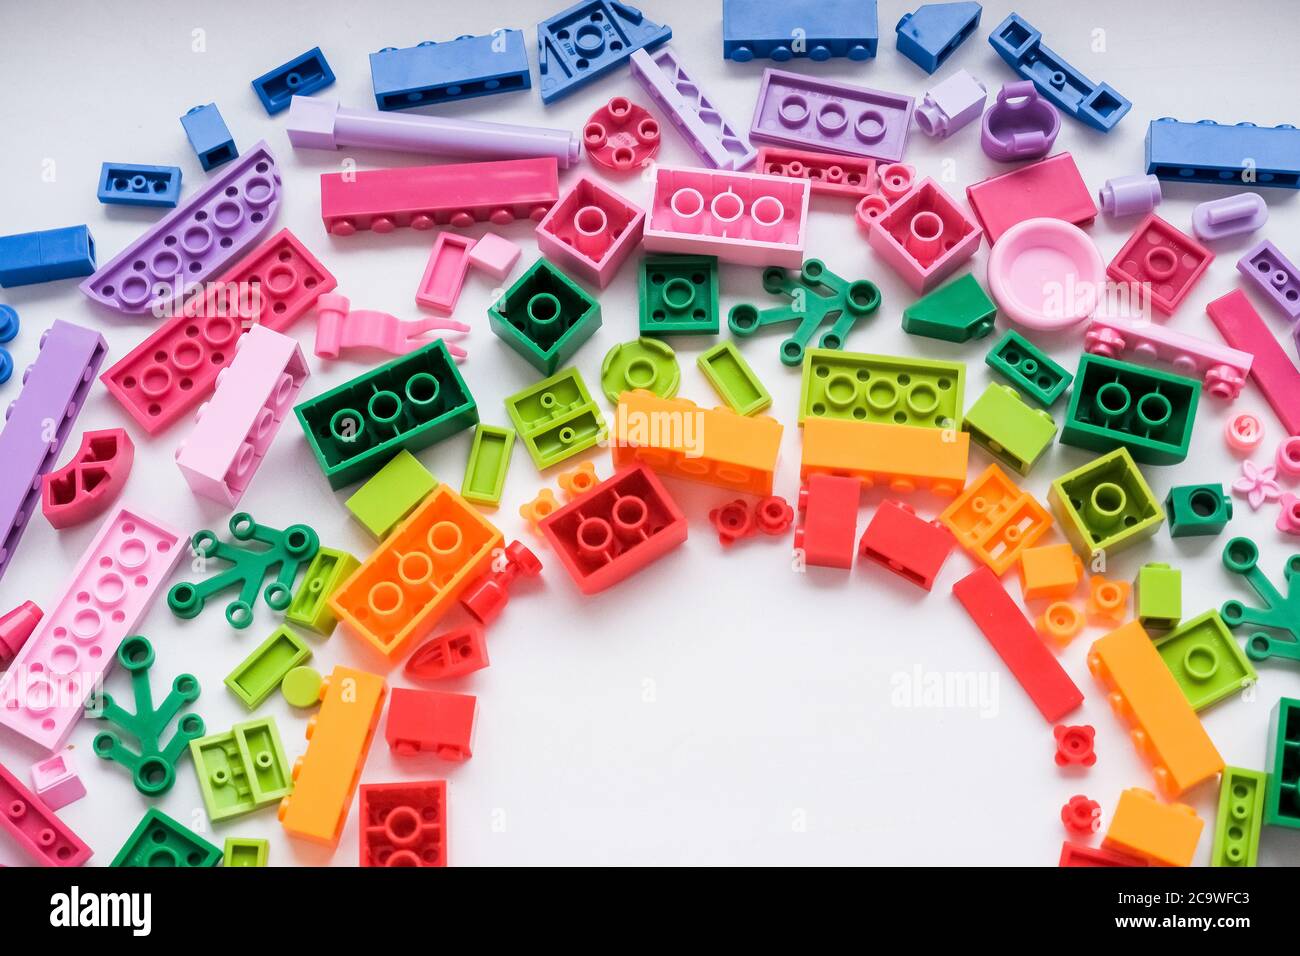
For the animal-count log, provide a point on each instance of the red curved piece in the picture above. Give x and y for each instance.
(85, 487)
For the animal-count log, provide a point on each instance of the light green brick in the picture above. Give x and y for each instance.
(733, 379)
(261, 672)
(1105, 505)
(488, 465)
(310, 605)
(1206, 660)
(556, 418)
(241, 770)
(391, 494)
(241, 851)
(887, 389)
(1007, 428)
(1240, 819)
(1158, 596)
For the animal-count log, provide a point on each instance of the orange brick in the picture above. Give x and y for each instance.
(1052, 571)
(995, 521)
(1107, 600)
(904, 457)
(1161, 832)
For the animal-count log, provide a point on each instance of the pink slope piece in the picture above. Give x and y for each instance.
(1274, 373)
(41, 835)
(56, 781)
(43, 693)
(444, 276)
(86, 486)
(494, 255)
(236, 427)
(341, 328)
(1222, 369)
(925, 236)
(591, 231)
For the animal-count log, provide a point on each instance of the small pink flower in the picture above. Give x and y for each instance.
(1257, 485)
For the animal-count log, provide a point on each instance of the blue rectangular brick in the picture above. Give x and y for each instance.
(454, 70)
(207, 133)
(1209, 152)
(30, 257)
(780, 30)
(301, 76)
(128, 184)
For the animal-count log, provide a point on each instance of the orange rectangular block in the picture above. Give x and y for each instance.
(1143, 692)
(1050, 572)
(678, 438)
(338, 741)
(1161, 832)
(398, 594)
(904, 457)
(995, 521)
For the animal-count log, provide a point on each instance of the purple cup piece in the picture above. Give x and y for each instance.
(1020, 125)
(1129, 195)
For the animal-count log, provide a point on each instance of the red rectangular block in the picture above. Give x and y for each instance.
(913, 548)
(1274, 373)
(829, 506)
(431, 721)
(404, 824)
(1168, 262)
(1018, 644)
(1072, 854)
(1049, 189)
(38, 832)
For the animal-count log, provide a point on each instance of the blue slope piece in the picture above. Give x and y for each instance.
(301, 76)
(126, 184)
(31, 257)
(1021, 46)
(588, 40)
(458, 69)
(1210, 152)
(209, 135)
(785, 29)
(932, 34)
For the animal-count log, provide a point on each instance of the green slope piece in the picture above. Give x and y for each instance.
(1282, 794)
(1197, 510)
(391, 493)
(310, 605)
(1241, 556)
(887, 389)
(816, 295)
(545, 317)
(153, 769)
(1028, 368)
(159, 841)
(1105, 505)
(1240, 818)
(1204, 658)
(301, 687)
(733, 379)
(645, 363)
(244, 851)
(488, 465)
(679, 295)
(242, 770)
(1117, 404)
(288, 549)
(1158, 596)
(556, 418)
(956, 312)
(1011, 431)
(261, 672)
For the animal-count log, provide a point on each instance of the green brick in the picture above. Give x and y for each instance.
(882, 388)
(1197, 510)
(391, 494)
(1120, 405)
(488, 465)
(1206, 660)
(242, 770)
(1012, 432)
(261, 672)
(310, 607)
(679, 295)
(645, 363)
(1105, 505)
(733, 379)
(1028, 368)
(556, 418)
(1158, 596)
(545, 317)
(240, 851)
(956, 312)
(1240, 819)
(410, 402)
(159, 841)
(1282, 794)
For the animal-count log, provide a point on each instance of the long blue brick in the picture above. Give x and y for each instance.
(588, 40)
(1210, 152)
(781, 30)
(458, 69)
(127, 184)
(30, 257)
(301, 76)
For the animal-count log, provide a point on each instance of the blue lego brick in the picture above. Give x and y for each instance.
(31, 257)
(458, 69)
(932, 34)
(301, 76)
(8, 330)
(783, 29)
(207, 133)
(588, 40)
(1021, 46)
(1210, 152)
(126, 184)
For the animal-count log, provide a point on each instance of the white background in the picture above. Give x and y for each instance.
(717, 708)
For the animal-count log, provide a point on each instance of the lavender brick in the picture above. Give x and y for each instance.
(1274, 276)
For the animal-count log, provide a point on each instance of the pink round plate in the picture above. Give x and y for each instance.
(1046, 274)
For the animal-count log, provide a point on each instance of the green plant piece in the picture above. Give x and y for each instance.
(1240, 818)
(159, 841)
(733, 379)
(391, 493)
(556, 418)
(1204, 658)
(488, 465)
(545, 317)
(1197, 510)
(1241, 556)
(679, 295)
(325, 575)
(1028, 368)
(241, 851)
(882, 388)
(261, 672)
(1282, 794)
(1117, 404)
(1003, 425)
(956, 312)
(645, 363)
(242, 770)
(1105, 505)
(1158, 596)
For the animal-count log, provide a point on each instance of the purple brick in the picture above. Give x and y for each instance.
(1273, 275)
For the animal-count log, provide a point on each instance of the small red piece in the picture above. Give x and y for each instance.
(1161, 257)
(774, 515)
(451, 654)
(829, 504)
(1074, 745)
(621, 136)
(15, 628)
(732, 521)
(404, 824)
(431, 721)
(1081, 815)
(910, 546)
(85, 487)
(1072, 854)
(486, 598)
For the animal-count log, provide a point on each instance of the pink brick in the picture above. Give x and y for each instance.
(444, 276)
(56, 781)
(494, 255)
(591, 231)
(925, 236)
(42, 835)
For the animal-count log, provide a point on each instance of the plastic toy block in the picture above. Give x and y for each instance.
(774, 30)
(1050, 571)
(645, 363)
(1093, 104)
(925, 236)
(452, 654)
(1158, 595)
(1061, 621)
(1197, 510)
(339, 327)
(1081, 815)
(1163, 261)
(127, 184)
(545, 317)
(301, 687)
(1028, 368)
(1050, 188)
(488, 464)
(404, 824)
(1079, 856)
(186, 248)
(444, 276)
(1205, 659)
(1019, 125)
(1282, 793)
(401, 591)
(678, 295)
(431, 721)
(486, 598)
(107, 594)
(1011, 431)
(950, 104)
(28, 258)
(817, 296)
(668, 84)
(1273, 276)
(1244, 432)
(431, 73)
(209, 136)
(1144, 694)
(1165, 833)
(1240, 818)
(900, 457)
(159, 841)
(260, 674)
(8, 332)
(678, 438)
(733, 379)
(932, 34)
(302, 76)
(591, 231)
(882, 388)
(421, 197)
(1107, 601)
(153, 769)
(391, 494)
(556, 418)
(87, 485)
(171, 371)
(1287, 455)
(828, 505)
(1241, 556)
(577, 481)
(733, 521)
(56, 782)
(589, 39)
(309, 607)
(847, 177)
(745, 218)
(16, 626)
(242, 851)
(621, 136)
(1274, 373)
(1129, 195)
(894, 181)
(994, 521)
(1105, 505)
(956, 312)
(494, 255)
(1018, 644)
(1223, 154)
(1230, 216)
(1117, 404)
(1223, 370)
(242, 770)
(1075, 745)
(833, 117)
(913, 548)
(45, 838)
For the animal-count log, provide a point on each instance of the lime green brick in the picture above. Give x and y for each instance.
(241, 770)
(646, 363)
(1158, 596)
(556, 418)
(243, 851)
(1206, 660)
(733, 379)
(261, 672)
(1008, 429)
(488, 465)
(882, 388)
(956, 312)
(310, 607)
(1240, 819)
(1105, 505)
(545, 317)
(391, 494)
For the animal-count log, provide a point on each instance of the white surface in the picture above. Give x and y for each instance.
(718, 708)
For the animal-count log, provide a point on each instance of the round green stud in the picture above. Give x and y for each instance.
(645, 363)
(301, 687)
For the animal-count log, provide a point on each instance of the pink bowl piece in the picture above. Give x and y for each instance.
(1046, 274)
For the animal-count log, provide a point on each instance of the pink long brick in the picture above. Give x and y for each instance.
(1274, 373)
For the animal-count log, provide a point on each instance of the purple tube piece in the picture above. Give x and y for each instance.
(1020, 125)
(1229, 216)
(1129, 195)
(1275, 277)
(39, 421)
(316, 123)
